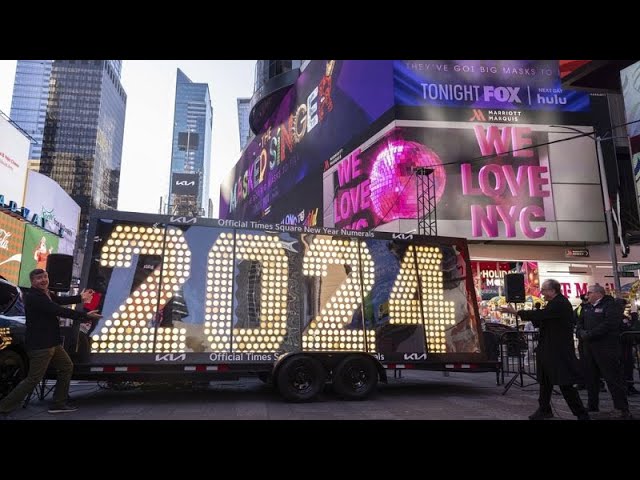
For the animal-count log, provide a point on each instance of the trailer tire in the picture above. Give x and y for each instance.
(13, 370)
(301, 378)
(355, 377)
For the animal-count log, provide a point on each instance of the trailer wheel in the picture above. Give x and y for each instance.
(12, 371)
(355, 377)
(301, 378)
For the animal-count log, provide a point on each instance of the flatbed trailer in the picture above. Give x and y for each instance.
(199, 299)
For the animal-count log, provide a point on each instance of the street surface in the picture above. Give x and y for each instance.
(418, 395)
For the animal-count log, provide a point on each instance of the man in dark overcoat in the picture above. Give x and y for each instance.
(555, 354)
(599, 328)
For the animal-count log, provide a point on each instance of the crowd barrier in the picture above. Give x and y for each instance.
(517, 353)
(630, 359)
(517, 350)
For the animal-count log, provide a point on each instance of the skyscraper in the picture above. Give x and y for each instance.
(117, 66)
(243, 121)
(29, 101)
(191, 148)
(82, 141)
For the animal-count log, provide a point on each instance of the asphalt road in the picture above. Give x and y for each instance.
(416, 396)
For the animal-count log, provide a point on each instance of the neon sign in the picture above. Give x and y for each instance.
(278, 143)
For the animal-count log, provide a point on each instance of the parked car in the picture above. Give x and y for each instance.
(13, 363)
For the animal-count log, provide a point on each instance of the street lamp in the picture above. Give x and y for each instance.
(607, 201)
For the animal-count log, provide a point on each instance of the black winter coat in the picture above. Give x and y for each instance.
(42, 312)
(601, 325)
(556, 352)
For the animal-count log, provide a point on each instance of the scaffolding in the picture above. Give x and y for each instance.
(426, 201)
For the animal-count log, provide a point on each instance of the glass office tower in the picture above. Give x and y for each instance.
(191, 148)
(29, 101)
(82, 140)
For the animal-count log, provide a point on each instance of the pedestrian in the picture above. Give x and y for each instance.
(42, 339)
(578, 312)
(599, 328)
(556, 360)
(628, 343)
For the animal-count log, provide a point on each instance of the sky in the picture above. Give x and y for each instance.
(148, 129)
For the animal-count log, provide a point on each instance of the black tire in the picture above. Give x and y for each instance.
(355, 377)
(13, 370)
(301, 378)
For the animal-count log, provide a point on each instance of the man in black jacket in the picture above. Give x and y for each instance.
(599, 328)
(555, 355)
(42, 339)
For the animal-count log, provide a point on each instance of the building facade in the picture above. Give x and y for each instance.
(268, 69)
(510, 153)
(29, 101)
(243, 121)
(82, 140)
(117, 67)
(191, 148)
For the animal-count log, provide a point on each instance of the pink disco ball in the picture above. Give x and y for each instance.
(393, 191)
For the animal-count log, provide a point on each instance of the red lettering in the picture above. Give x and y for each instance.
(581, 288)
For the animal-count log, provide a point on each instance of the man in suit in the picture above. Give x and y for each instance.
(556, 358)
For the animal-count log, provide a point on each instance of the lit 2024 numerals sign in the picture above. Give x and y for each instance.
(130, 329)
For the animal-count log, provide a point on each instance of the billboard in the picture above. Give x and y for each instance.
(14, 156)
(11, 236)
(330, 103)
(630, 80)
(490, 183)
(567, 67)
(492, 90)
(59, 212)
(336, 108)
(185, 184)
(38, 245)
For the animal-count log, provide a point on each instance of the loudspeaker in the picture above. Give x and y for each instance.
(60, 270)
(514, 287)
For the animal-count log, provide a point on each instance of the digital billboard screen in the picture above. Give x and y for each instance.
(185, 184)
(517, 86)
(38, 245)
(14, 156)
(330, 103)
(59, 212)
(11, 238)
(489, 182)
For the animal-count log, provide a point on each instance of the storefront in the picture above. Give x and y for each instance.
(488, 278)
(490, 263)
